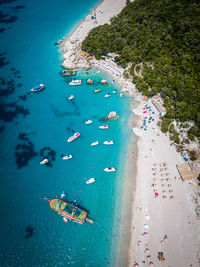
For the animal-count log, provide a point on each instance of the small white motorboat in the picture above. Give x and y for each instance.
(103, 127)
(71, 97)
(44, 161)
(114, 91)
(109, 169)
(109, 142)
(95, 143)
(92, 180)
(107, 95)
(72, 138)
(75, 82)
(67, 157)
(88, 122)
(120, 94)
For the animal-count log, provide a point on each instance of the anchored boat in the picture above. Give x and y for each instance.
(69, 211)
(37, 87)
(75, 82)
(103, 127)
(72, 138)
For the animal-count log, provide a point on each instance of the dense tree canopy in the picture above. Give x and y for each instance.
(165, 35)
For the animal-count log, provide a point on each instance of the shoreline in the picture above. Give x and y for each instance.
(158, 217)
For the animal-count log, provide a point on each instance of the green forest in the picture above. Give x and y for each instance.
(165, 37)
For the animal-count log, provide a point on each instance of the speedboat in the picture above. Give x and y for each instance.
(114, 91)
(103, 127)
(95, 143)
(107, 95)
(88, 122)
(97, 90)
(71, 97)
(109, 169)
(37, 87)
(67, 157)
(92, 180)
(109, 142)
(44, 161)
(75, 82)
(72, 138)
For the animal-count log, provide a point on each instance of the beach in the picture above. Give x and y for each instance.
(159, 210)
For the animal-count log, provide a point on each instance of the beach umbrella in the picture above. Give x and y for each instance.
(153, 112)
(146, 250)
(156, 194)
(165, 238)
(163, 185)
(171, 197)
(153, 119)
(169, 185)
(170, 191)
(164, 196)
(163, 191)
(147, 217)
(186, 159)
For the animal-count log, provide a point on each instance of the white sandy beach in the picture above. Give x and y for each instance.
(161, 216)
(174, 217)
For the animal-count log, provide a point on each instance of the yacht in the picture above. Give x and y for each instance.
(67, 157)
(72, 138)
(88, 122)
(92, 180)
(75, 82)
(109, 169)
(37, 87)
(44, 161)
(109, 142)
(95, 143)
(103, 127)
(71, 97)
(107, 95)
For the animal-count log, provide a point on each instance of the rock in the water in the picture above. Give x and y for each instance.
(67, 64)
(89, 81)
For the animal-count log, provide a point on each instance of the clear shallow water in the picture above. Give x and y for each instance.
(34, 126)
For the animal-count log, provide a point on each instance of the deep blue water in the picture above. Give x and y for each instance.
(37, 125)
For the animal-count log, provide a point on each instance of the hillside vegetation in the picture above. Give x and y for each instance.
(165, 37)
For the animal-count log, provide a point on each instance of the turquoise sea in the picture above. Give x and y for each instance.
(37, 125)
